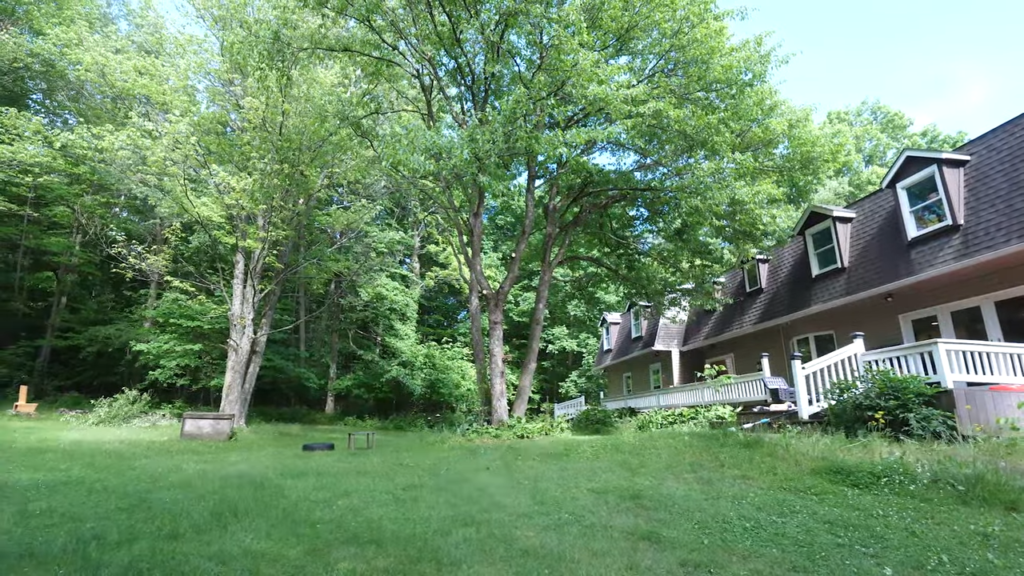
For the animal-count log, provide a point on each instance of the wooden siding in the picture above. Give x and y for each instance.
(639, 368)
(980, 411)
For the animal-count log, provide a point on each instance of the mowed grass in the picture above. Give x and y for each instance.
(139, 501)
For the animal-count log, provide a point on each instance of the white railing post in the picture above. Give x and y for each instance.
(796, 367)
(765, 369)
(858, 341)
(942, 370)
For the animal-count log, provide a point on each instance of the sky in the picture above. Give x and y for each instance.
(959, 64)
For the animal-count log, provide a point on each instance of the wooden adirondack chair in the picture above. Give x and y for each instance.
(22, 404)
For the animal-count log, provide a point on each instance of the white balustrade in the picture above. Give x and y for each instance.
(948, 363)
(570, 408)
(737, 389)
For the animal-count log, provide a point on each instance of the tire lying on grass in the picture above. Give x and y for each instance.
(318, 447)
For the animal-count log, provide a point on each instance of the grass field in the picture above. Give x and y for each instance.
(139, 501)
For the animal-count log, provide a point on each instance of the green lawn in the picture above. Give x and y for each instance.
(139, 501)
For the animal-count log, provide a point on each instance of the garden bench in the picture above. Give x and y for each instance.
(22, 404)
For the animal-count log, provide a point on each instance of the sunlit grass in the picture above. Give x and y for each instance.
(139, 501)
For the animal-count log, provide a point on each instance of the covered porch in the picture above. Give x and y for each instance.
(968, 366)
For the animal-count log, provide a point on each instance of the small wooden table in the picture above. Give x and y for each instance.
(371, 439)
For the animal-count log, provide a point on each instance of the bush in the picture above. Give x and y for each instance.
(127, 408)
(883, 401)
(594, 420)
(692, 417)
(520, 428)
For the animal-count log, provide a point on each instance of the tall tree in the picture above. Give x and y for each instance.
(531, 119)
(864, 140)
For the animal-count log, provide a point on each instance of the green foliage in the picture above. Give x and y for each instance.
(595, 420)
(520, 429)
(864, 140)
(127, 408)
(883, 401)
(685, 418)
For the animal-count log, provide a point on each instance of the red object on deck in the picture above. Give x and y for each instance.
(1007, 388)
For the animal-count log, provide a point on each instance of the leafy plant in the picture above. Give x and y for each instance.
(127, 408)
(595, 420)
(895, 405)
(521, 428)
(692, 417)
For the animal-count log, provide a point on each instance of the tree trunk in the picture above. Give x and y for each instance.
(332, 371)
(155, 276)
(241, 338)
(496, 341)
(529, 368)
(302, 297)
(21, 256)
(60, 300)
(476, 331)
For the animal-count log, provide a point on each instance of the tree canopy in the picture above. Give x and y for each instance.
(385, 206)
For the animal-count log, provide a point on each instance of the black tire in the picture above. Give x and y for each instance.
(318, 447)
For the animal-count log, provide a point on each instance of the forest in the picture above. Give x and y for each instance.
(387, 207)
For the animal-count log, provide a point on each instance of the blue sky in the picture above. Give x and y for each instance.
(957, 64)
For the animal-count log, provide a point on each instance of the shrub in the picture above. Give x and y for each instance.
(595, 420)
(692, 417)
(883, 401)
(520, 428)
(127, 408)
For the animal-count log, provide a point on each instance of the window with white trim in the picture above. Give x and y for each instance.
(627, 384)
(752, 276)
(814, 345)
(654, 373)
(635, 322)
(923, 202)
(606, 337)
(724, 364)
(822, 247)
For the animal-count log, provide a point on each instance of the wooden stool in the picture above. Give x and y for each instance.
(22, 404)
(371, 439)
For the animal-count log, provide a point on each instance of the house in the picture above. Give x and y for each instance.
(924, 275)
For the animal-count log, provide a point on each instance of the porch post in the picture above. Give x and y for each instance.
(765, 368)
(942, 369)
(858, 341)
(677, 372)
(796, 366)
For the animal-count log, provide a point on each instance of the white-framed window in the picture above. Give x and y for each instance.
(996, 317)
(635, 322)
(654, 373)
(814, 345)
(606, 337)
(822, 247)
(752, 276)
(923, 202)
(725, 364)
(627, 384)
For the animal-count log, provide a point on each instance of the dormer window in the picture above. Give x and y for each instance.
(635, 323)
(822, 247)
(923, 202)
(826, 231)
(755, 272)
(751, 277)
(606, 337)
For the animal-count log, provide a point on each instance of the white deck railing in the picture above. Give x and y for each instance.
(739, 389)
(570, 408)
(948, 363)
